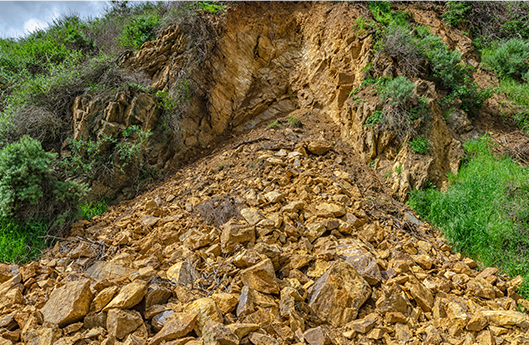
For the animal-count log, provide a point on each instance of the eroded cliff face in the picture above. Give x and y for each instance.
(265, 60)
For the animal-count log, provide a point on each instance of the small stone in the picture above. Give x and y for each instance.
(251, 215)
(241, 330)
(129, 295)
(363, 325)
(226, 302)
(102, 298)
(274, 197)
(181, 273)
(422, 295)
(316, 336)
(122, 322)
(320, 147)
(314, 231)
(261, 277)
(477, 323)
(394, 317)
(215, 333)
(294, 206)
(178, 326)
(234, 234)
(207, 311)
(506, 318)
(262, 339)
(336, 210)
(246, 304)
(159, 320)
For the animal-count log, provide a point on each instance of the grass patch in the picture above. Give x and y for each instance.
(19, 242)
(89, 210)
(485, 211)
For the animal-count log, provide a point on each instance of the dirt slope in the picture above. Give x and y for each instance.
(278, 236)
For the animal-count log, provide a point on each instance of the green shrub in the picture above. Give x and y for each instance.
(89, 210)
(397, 91)
(29, 190)
(419, 145)
(510, 59)
(456, 12)
(212, 6)
(484, 211)
(140, 30)
(377, 117)
(275, 125)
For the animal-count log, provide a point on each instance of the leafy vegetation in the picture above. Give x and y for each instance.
(294, 122)
(377, 117)
(484, 212)
(419, 145)
(275, 125)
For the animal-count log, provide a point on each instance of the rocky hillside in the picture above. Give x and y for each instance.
(281, 217)
(280, 236)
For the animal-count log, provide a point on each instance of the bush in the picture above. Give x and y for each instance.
(419, 145)
(509, 60)
(484, 211)
(21, 242)
(142, 29)
(456, 12)
(29, 189)
(377, 117)
(397, 91)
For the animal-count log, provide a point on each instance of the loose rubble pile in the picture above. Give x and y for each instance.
(270, 241)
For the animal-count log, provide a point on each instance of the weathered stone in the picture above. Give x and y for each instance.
(178, 326)
(364, 263)
(207, 311)
(122, 322)
(102, 270)
(294, 206)
(262, 339)
(482, 288)
(247, 258)
(129, 295)
(95, 321)
(42, 336)
(156, 294)
(477, 323)
(336, 210)
(363, 325)
(251, 215)
(103, 298)
(283, 331)
(215, 333)
(393, 300)
(422, 295)
(226, 302)
(181, 273)
(235, 234)
(316, 336)
(241, 330)
(506, 318)
(274, 197)
(314, 231)
(338, 295)
(319, 147)
(246, 304)
(261, 277)
(69, 303)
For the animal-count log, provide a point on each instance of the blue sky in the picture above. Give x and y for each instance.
(18, 18)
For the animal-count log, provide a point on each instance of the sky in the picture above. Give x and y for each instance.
(18, 18)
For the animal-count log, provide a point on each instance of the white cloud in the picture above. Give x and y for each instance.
(33, 24)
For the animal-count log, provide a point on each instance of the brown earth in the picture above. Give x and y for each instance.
(261, 242)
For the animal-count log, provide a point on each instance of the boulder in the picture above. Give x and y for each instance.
(337, 295)
(68, 304)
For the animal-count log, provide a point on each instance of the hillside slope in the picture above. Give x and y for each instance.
(315, 253)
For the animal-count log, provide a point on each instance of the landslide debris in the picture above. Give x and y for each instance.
(280, 236)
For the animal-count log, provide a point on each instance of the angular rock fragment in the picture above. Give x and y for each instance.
(261, 277)
(122, 322)
(338, 295)
(206, 311)
(178, 326)
(129, 295)
(68, 304)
